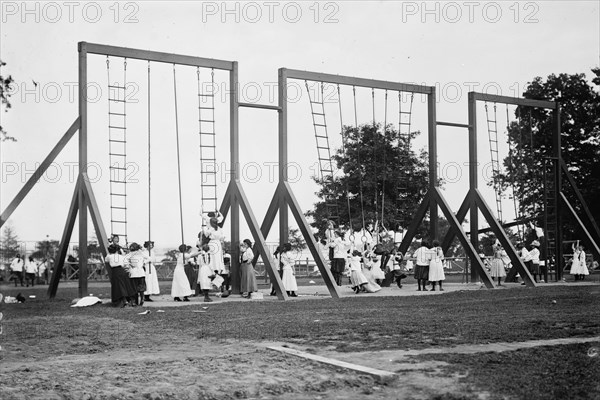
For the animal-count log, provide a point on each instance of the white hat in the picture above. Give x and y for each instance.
(535, 243)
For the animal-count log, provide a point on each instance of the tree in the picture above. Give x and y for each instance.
(10, 243)
(374, 170)
(4, 97)
(171, 255)
(531, 140)
(296, 240)
(46, 249)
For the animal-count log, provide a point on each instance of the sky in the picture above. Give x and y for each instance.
(494, 47)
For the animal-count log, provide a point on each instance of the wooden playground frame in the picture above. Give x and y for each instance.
(83, 199)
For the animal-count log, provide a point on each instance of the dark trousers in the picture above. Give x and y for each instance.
(18, 275)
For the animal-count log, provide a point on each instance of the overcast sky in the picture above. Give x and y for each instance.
(456, 46)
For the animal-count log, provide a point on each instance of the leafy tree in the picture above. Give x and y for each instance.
(5, 83)
(531, 141)
(10, 243)
(46, 249)
(375, 169)
(296, 240)
(171, 255)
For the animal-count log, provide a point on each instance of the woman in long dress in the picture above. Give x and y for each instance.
(248, 282)
(181, 286)
(436, 266)
(497, 265)
(288, 279)
(152, 287)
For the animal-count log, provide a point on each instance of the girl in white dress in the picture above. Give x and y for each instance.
(578, 266)
(152, 287)
(357, 278)
(204, 273)
(288, 279)
(135, 263)
(370, 268)
(181, 286)
(497, 265)
(436, 266)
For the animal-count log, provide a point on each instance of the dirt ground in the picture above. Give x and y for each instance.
(110, 365)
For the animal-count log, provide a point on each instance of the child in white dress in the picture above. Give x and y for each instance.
(152, 287)
(578, 265)
(436, 266)
(180, 286)
(205, 273)
(370, 268)
(357, 278)
(288, 279)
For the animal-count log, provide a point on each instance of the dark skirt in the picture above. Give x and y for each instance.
(338, 265)
(421, 271)
(191, 272)
(138, 284)
(120, 285)
(248, 283)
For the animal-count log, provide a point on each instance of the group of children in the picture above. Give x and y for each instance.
(28, 269)
(133, 277)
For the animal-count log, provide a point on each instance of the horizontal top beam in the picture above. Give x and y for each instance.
(137, 54)
(518, 101)
(352, 81)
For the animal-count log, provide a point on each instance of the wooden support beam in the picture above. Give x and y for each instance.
(155, 56)
(589, 217)
(518, 101)
(310, 241)
(412, 229)
(573, 213)
(39, 172)
(460, 217)
(64, 242)
(517, 263)
(476, 262)
(352, 81)
(260, 246)
(88, 192)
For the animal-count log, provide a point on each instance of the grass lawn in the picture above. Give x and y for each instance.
(40, 329)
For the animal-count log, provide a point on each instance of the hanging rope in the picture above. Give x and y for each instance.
(512, 172)
(149, 164)
(344, 139)
(362, 208)
(178, 156)
(375, 133)
(384, 161)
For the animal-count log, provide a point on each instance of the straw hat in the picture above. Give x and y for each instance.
(535, 243)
